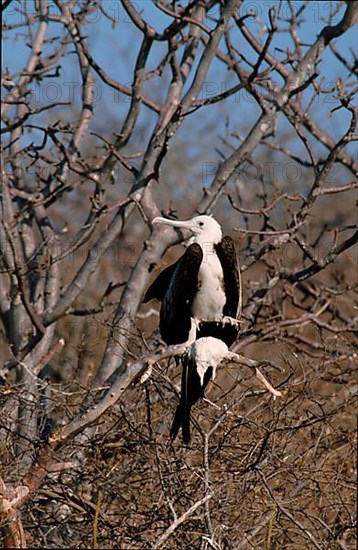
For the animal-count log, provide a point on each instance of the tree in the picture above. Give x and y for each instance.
(84, 443)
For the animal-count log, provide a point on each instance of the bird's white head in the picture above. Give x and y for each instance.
(205, 229)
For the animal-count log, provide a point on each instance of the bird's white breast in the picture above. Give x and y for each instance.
(210, 299)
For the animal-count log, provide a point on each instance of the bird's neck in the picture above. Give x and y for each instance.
(206, 244)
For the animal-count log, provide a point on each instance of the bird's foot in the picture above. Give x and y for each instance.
(223, 320)
(227, 320)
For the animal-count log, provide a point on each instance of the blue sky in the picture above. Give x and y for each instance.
(114, 45)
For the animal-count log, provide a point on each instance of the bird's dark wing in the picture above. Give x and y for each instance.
(175, 314)
(232, 278)
(160, 285)
(191, 391)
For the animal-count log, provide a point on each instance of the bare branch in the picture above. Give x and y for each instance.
(159, 543)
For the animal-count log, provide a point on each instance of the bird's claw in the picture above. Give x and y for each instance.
(227, 320)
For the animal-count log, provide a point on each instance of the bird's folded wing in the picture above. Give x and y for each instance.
(232, 278)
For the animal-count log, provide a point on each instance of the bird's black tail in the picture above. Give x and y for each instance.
(191, 391)
(181, 420)
(182, 414)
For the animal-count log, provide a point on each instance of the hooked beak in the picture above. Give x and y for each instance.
(173, 223)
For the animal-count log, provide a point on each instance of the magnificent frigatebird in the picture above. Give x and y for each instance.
(203, 284)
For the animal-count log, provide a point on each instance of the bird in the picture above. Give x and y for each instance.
(204, 284)
(199, 367)
(200, 298)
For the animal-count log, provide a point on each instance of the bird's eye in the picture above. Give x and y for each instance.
(201, 224)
